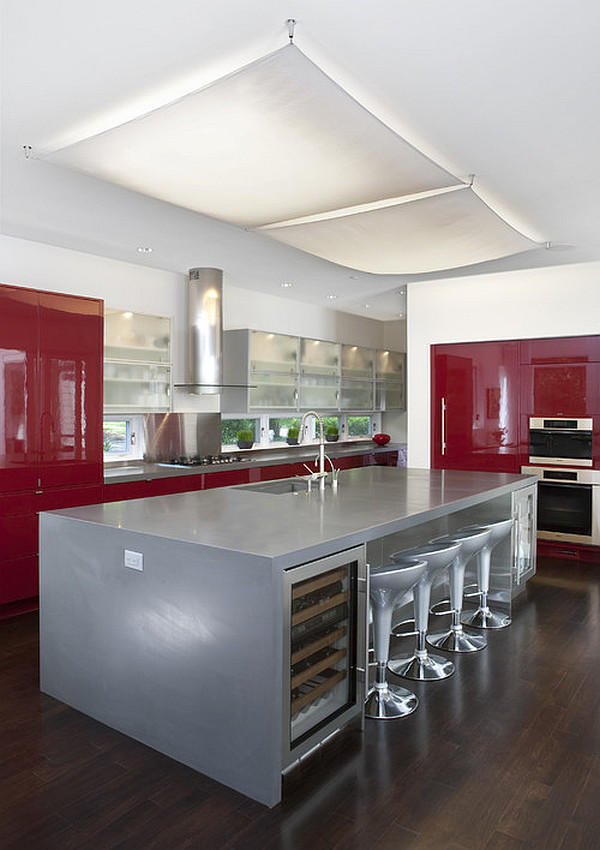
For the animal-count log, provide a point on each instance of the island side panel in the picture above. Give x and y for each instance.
(184, 656)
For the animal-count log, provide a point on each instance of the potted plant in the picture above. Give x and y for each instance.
(332, 433)
(245, 438)
(292, 435)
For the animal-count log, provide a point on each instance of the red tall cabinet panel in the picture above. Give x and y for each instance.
(475, 406)
(50, 420)
(70, 391)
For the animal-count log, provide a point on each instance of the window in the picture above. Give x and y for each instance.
(230, 428)
(359, 426)
(278, 427)
(122, 438)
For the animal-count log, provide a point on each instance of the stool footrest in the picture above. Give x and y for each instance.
(399, 632)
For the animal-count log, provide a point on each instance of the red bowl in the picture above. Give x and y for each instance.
(381, 439)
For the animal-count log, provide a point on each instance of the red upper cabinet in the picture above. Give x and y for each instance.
(475, 406)
(70, 390)
(560, 377)
(565, 349)
(18, 414)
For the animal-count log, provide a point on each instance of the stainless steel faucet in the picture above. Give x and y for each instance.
(321, 474)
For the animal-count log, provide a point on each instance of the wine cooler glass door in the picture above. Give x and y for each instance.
(324, 648)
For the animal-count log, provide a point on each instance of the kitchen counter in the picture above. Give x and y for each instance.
(121, 472)
(163, 617)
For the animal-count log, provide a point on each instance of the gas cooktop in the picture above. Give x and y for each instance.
(205, 460)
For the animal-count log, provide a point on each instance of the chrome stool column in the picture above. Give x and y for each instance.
(457, 638)
(388, 585)
(421, 665)
(484, 617)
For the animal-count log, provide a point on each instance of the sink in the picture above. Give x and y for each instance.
(282, 487)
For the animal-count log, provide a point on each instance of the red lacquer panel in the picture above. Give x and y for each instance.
(18, 414)
(70, 379)
(475, 406)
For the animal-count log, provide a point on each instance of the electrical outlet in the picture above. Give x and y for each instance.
(133, 560)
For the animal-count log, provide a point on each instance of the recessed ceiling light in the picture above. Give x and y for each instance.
(144, 249)
(367, 306)
(331, 296)
(286, 285)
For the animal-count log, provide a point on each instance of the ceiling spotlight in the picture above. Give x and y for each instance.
(286, 285)
(331, 296)
(367, 306)
(144, 249)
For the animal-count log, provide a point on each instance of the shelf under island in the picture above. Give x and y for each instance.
(228, 628)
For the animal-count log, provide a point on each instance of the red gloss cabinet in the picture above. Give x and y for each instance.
(475, 406)
(50, 420)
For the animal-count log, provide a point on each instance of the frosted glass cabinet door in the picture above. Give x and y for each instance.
(274, 391)
(356, 395)
(273, 352)
(135, 336)
(139, 387)
(390, 365)
(389, 395)
(318, 357)
(357, 362)
(318, 392)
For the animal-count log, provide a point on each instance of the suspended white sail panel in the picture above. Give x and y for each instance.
(275, 140)
(443, 231)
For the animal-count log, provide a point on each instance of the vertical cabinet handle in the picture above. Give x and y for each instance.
(443, 420)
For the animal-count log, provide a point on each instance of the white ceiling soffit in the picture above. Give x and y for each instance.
(279, 140)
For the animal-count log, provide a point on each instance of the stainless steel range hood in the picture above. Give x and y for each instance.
(205, 331)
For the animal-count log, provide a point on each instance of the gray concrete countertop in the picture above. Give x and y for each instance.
(119, 473)
(293, 528)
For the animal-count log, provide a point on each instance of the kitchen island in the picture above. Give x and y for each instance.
(164, 617)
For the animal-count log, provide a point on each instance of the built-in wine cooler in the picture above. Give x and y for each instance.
(324, 649)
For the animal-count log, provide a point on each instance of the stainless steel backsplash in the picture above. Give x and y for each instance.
(173, 435)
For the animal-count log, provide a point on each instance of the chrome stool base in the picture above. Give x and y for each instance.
(457, 640)
(485, 618)
(424, 669)
(390, 702)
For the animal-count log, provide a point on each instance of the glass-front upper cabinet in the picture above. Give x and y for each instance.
(390, 365)
(390, 385)
(357, 362)
(318, 357)
(356, 395)
(137, 363)
(273, 352)
(136, 336)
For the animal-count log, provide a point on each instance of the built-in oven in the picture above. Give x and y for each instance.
(561, 441)
(568, 504)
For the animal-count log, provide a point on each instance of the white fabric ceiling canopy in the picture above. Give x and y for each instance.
(429, 234)
(279, 140)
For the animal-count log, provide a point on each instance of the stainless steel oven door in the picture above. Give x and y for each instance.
(568, 504)
(561, 441)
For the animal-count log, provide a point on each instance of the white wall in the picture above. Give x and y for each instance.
(561, 301)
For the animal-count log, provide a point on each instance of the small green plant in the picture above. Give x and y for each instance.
(245, 435)
(293, 432)
(332, 431)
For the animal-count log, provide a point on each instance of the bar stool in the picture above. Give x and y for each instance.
(484, 617)
(421, 665)
(388, 585)
(457, 638)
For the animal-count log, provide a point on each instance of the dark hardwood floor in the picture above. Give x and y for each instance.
(504, 755)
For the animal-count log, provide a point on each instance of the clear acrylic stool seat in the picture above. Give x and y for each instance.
(421, 665)
(483, 617)
(457, 638)
(388, 585)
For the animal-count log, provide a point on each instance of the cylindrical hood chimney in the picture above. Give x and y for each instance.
(205, 305)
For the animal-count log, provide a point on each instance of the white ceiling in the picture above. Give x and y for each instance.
(506, 91)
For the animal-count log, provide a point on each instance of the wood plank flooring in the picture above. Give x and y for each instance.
(505, 755)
